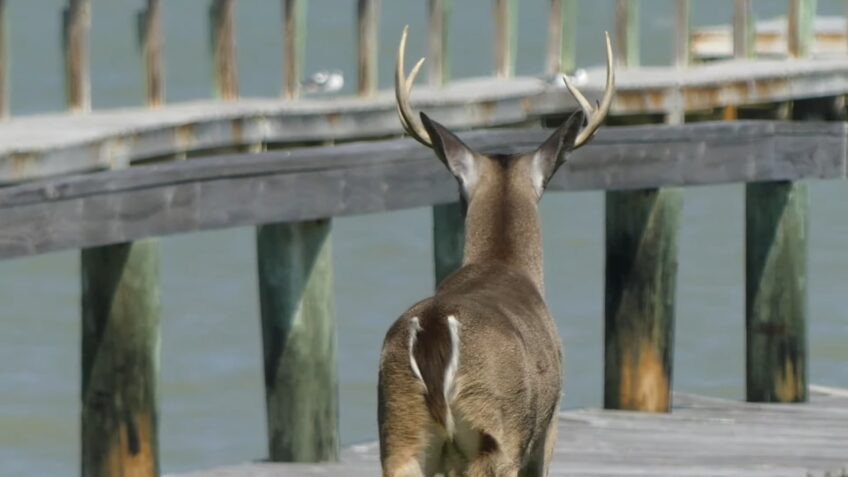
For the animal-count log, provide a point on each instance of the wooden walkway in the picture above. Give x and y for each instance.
(702, 437)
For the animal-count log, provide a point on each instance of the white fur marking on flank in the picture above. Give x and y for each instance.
(414, 328)
(538, 174)
(450, 371)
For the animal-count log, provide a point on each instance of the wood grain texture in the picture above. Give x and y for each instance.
(120, 358)
(703, 437)
(222, 43)
(76, 23)
(368, 19)
(150, 44)
(506, 37)
(294, 44)
(358, 178)
(562, 35)
(299, 341)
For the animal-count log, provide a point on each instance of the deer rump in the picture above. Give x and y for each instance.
(476, 369)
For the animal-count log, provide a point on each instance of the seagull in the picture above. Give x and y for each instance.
(578, 79)
(324, 81)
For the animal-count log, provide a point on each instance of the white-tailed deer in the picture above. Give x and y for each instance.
(470, 379)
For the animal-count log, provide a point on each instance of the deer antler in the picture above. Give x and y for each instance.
(594, 116)
(413, 127)
(403, 87)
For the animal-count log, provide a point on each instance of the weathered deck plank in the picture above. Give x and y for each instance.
(57, 144)
(702, 437)
(304, 184)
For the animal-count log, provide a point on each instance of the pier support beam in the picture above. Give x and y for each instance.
(641, 275)
(299, 341)
(120, 359)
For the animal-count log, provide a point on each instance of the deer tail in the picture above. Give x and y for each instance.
(434, 358)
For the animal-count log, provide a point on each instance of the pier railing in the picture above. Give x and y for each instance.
(69, 185)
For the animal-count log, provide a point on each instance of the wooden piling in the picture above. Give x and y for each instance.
(120, 359)
(294, 41)
(76, 21)
(776, 291)
(298, 316)
(299, 341)
(562, 33)
(641, 274)
(222, 42)
(506, 37)
(368, 18)
(150, 43)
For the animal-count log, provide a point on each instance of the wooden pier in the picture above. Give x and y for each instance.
(702, 437)
(109, 183)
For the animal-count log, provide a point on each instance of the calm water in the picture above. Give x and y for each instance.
(211, 395)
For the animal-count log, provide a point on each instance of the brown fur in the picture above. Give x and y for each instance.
(509, 376)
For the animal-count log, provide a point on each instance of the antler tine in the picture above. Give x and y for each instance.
(403, 88)
(595, 116)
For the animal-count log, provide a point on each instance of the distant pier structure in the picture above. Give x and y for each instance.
(766, 110)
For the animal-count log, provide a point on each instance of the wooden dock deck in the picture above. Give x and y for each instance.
(702, 437)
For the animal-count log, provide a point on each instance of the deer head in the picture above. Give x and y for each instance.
(466, 164)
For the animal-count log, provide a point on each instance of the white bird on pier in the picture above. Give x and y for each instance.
(578, 79)
(324, 81)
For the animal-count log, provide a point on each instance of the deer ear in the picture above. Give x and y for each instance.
(458, 157)
(551, 154)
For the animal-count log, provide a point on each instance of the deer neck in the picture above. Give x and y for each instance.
(502, 225)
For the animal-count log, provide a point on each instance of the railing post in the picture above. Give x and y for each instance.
(627, 32)
(448, 221)
(562, 32)
(298, 311)
(800, 29)
(222, 44)
(682, 52)
(150, 43)
(368, 18)
(640, 281)
(744, 34)
(294, 41)
(776, 224)
(506, 37)
(4, 63)
(76, 21)
(120, 320)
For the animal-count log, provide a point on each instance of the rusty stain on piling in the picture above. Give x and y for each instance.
(22, 163)
(644, 386)
(132, 454)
